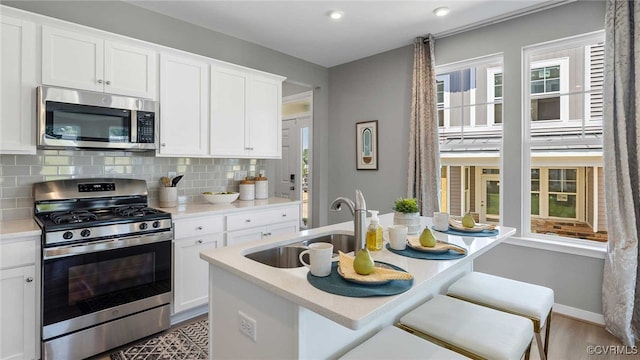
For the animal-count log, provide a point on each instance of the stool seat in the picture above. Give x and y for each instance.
(471, 329)
(394, 343)
(517, 297)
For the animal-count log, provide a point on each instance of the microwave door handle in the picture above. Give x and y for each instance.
(134, 126)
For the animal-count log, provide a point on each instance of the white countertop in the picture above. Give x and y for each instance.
(10, 229)
(187, 210)
(353, 313)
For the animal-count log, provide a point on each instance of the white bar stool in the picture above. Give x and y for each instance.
(472, 330)
(515, 297)
(394, 343)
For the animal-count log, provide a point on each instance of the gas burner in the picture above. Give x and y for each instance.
(134, 210)
(76, 216)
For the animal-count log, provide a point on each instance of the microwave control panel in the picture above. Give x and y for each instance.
(146, 127)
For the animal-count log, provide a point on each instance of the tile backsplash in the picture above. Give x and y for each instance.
(19, 172)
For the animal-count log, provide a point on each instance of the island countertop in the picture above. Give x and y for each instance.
(351, 312)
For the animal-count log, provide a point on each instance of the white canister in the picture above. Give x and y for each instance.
(247, 190)
(262, 187)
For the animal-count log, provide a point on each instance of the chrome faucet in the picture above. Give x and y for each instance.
(359, 212)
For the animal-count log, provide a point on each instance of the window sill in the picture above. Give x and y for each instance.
(595, 250)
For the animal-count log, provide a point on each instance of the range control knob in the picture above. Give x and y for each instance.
(156, 224)
(143, 226)
(85, 233)
(67, 235)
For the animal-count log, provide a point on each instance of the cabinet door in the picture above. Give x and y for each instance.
(17, 88)
(243, 236)
(265, 122)
(228, 112)
(18, 313)
(72, 59)
(191, 276)
(283, 228)
(184, 99)
(129, 70)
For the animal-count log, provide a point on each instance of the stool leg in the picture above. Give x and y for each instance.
(546, 334)
(528, 353)
(543, 356)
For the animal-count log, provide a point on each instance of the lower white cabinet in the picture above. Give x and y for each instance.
(191, 274)
(255, 225)
(19, 327)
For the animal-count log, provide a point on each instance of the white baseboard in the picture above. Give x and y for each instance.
(188, 314)
(579, 314)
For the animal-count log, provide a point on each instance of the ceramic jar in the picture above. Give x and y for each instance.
(247, 190)
(262, 187)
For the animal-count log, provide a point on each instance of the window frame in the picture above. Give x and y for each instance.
(525, 201)
(491, 99)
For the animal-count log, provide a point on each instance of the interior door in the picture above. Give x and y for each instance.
(489, 198)
(293, 171)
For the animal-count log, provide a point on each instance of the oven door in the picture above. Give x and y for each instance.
(83, 290)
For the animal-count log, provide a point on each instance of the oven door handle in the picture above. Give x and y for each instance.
(104, 245)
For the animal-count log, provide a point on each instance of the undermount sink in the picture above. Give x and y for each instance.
(287, 256)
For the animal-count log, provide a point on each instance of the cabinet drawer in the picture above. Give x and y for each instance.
(261, 218)
(19, 253)
(198, 226)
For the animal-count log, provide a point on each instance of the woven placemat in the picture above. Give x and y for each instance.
(409, 252)
(335, 284)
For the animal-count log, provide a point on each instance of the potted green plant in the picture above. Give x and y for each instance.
(406, 212)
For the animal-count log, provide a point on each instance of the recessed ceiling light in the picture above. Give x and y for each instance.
(441, 11)
(335, 14)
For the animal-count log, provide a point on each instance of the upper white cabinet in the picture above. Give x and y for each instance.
(17, 86)
(184, 106)
(245, 113)
(81, 61)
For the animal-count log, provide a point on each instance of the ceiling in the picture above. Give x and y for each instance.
(302, 28)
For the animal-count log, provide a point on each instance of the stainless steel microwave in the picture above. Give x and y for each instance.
(75, 119)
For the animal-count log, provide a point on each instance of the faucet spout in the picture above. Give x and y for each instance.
(359, 212)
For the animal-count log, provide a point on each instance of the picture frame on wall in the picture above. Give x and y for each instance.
(367, 145)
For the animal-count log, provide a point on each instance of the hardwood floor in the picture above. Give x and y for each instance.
(570, 339)
(573, 339)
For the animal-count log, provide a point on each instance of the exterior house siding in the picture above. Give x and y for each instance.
(456, 198)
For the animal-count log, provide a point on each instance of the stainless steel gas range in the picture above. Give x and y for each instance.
(106, 265)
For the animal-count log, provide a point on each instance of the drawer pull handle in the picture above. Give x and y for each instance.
(199, 228)
(266, 234)
(199, 242)
(247, 220)
(29, 279)
(284, 215)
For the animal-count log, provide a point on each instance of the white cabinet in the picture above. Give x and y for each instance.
(17, 86)
(184, 106)
(191, 274)
(19, 328)
(81, 61)
(245, 113)
(255, 225)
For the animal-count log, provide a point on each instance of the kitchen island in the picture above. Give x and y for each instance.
(295, 320)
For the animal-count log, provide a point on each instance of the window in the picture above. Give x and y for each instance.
(564, 104)
(468, 135)
(494, 95)
(440, 101)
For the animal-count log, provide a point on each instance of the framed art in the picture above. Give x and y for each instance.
(367, 145)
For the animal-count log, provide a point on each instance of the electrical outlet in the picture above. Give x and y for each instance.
(247, 325)
(239, 175)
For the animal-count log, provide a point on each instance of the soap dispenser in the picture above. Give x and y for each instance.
(374, 232)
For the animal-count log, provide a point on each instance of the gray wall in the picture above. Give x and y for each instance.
(378, 88)
(129, 20)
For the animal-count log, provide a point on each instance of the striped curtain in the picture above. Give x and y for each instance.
(423, 181)
(621, 150)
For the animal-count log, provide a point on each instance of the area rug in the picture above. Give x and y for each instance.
(188, 342)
